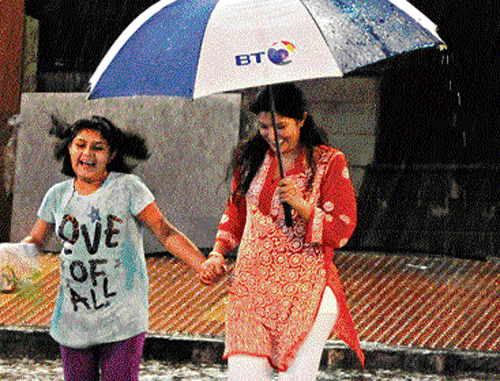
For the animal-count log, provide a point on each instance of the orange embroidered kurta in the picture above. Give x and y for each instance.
(281, 272)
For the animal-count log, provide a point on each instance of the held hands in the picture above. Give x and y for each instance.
(213, 269)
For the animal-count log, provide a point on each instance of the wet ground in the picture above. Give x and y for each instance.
(26, 369)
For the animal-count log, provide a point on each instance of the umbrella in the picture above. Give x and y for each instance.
(193, 48)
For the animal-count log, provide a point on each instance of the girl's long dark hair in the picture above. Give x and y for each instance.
(124, 144)
(248, 155)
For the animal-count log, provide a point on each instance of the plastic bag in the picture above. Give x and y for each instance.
(19, 266)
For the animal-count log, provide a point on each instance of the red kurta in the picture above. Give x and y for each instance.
(281, 273)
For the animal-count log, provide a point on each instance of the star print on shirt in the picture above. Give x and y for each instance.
(94, 214)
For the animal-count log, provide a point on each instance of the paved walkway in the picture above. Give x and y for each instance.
(51, 370)
(445, 309)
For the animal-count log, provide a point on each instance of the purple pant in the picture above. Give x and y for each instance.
(118, 361)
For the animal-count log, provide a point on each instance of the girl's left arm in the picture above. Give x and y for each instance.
(333, 221)
(173, 240)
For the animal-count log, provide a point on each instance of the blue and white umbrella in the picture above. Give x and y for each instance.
(193, 48)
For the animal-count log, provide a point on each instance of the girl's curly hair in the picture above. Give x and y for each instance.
(124, 144)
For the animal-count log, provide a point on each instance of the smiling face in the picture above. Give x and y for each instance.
(288, 131)
(90, 154)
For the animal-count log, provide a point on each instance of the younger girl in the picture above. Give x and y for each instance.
(101, 312)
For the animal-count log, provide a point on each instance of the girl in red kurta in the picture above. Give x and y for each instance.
(286, 298)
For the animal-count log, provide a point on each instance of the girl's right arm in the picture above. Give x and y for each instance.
(40, 234)
(173, 240)
(229, 233)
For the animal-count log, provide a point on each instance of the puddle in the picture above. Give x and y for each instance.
(31, 370)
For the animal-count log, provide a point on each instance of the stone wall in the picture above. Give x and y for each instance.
(348, 110)
(190, 142)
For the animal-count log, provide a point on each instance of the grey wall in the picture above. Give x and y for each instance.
(348, 110)
(190, 142)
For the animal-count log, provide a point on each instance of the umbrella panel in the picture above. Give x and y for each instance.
(363, 32)
(190, 48)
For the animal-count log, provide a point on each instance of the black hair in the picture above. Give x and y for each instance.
(249, 154)
(123, 143)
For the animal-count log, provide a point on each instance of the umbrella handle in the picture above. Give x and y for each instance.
(286, 206)
(288, 214)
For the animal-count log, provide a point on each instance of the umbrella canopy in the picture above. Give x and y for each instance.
(193, 48)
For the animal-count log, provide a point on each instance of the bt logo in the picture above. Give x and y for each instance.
(279, 54)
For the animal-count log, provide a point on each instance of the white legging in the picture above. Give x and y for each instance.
(305, 365)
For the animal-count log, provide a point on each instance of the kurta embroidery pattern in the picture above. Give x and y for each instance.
(281, 273)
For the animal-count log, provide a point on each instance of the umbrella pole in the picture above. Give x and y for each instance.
(287, 208)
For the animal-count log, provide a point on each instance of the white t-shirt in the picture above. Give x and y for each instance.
(103, 293)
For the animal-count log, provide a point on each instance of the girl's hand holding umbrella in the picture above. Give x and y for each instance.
(288, 192)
